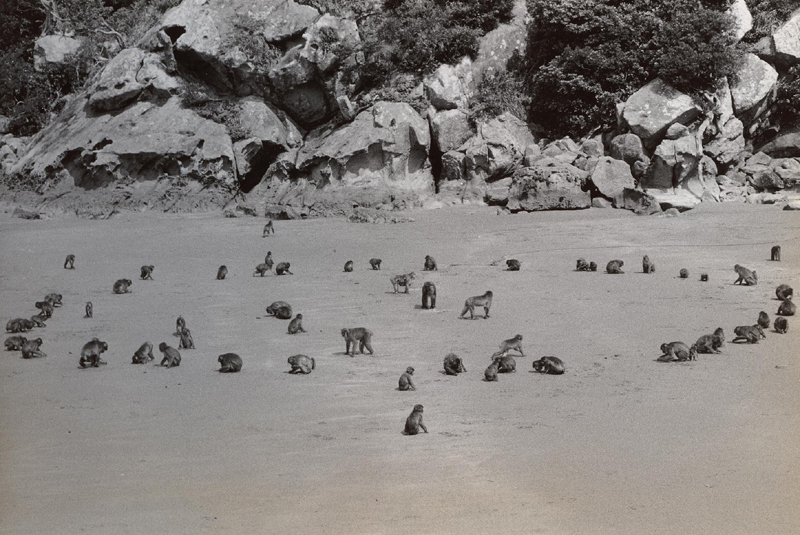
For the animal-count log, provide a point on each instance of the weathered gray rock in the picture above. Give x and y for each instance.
(497, 192)
(640, 167)
(766, 198)
(117, 86)
(793, 205)
(11, 149)
(592, 148)
(676, 131)
(5, 124)
(753, 89)
(650, 111)
(532, 153)
(610, 177)
(680, 199)
(627, 147)
(767, 180)
(501, 44)
(788, 169)
(704, 184)
(53, 49)
(155, 77)
(756, 163)
(548, 188)
(601, 202)
(639, 202)
(728, 142)
(786, 41)
(451, 128)
(673, 163)
(742, 19)
(784, 145)
(450, 87)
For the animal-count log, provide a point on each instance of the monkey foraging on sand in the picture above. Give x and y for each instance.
(781, 325)
(143, 354)
(90, 353)
(704, 277)
(430, 264)
(358, 334)
(747, 333)
(506, 364)
(402, 280)
(231, 363)
(513, 265)
(549, 365)
(775, 254)
(45, 307)
(222, 272)
(348, 266)
(186, 342)
(684, 273)
(19, 325)
(784, 292)
(763, 320)
(414, 422)
(647, 265)
(484, 301)
(296, 325)
(171, 358)
(268, 229)
(592, 266)
(674, 351)
(428, 295)
(406, 383)
(30, 349)
(453, 364)
(491, 372)
(711, 343)
(261, 270)
(69, 263)
(787, 308)
(14, 343)
(375, 263)
(283, 269)
(122, 286)
(54, 299)
(507, 345)
(301, 364)
(746, 277)
(615, 267)
(281, 310)
(582, 265)
(147, 273)
(38, 320)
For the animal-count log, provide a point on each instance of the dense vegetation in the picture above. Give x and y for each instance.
(768, 15)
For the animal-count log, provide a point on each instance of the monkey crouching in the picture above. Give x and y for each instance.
(513, 265)
(781, 325)
(171, 358)
(549, 365)
(750, 334)
(296, 325)
(775, 254)
(222, 272)
(674, 351)
(453, 364)
(787, 308)
(231, 363)
(90, 353)
(143, 354)
(615, 267)
(281, 310)
(122, 286)
(15, 343)
(30, 349)
(428, 295)
(301, 364)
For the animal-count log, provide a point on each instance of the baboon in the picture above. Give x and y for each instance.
(406, 383)
(787, 308)
(428, 295)
(296, 325)
(88, 309)
(186, 342)
(414, 422)
(582, 265)
(513, 265)
(784, 292)
(549, 365)
(14, 343)
(38, 320)
(453, 364)
(283, 269)
(180, 324)
(147, 273)
(746, 277)
(222, 272)
(647, 265)
(30, 349)
(348, 266)
(268, 229)
(143, 354)
(484, 301)
(261, 269)
(507, 345)
(231, 363)
(54, 299)
(781, 325)
(704, 277)
(430, 264)
(90, 353)
(268, 260)
(615, 267)
(357, 334)
(375, 263)
(281, 310)
(775, 254)
(674, 351)
(46, 308)
(592, 266)
(19, 325)
(491, 372)
(711, 343)
(506, 364)
(402, 280)
(69, 263)
(684, 273)
(121, 286)
(171, 358)
(763, 320)
(750, 334)
(301, 364)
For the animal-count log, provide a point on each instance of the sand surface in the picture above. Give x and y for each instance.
(619, 444)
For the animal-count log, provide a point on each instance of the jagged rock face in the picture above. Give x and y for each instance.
(786, 41)
(673, 163)
(650, 111)
(548, 188)
(610, 177)
(784, 145)
(754, 88)
(449, 87)
(450, 129)
(53, 49)
(728, 142)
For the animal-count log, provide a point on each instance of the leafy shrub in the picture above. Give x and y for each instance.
(499, 93)
(768, 15)
(252, 43)
(198, 98)
(787, 109)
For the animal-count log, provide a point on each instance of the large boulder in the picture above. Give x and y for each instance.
(728, 143)
(638, 202)
(450, 87)
(786, 41)
(742, 18)
(53, 49)
(627, 147)
(784, 145)
(548, 188)
(673, 163)
(679, 199)
(505, 42)
(753, 88)
(651, 110)
(611, 176)
(450, 128)
(11, 149)
(117, 85)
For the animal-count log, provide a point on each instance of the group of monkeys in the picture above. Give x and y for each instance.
(501, 362)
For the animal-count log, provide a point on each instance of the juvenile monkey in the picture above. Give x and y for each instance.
(222, 272)
(684, 273)
(88, 309)
(180, 324)
(787, 308)
(491, 372)
(647, 265)
(615, 267)
(143, 354)
(348, 266)
(406, 383)
(147, 273)
(30, 349)
(296, 325)
(283, 269)
(15, 343)
(402, 280)
(763, 320)
(507, 345)
(301, 364)
(674, 351)
(171, 358)
(38, 320)
(268, 260)
(513, 265)
(484, 301)
(268, 229)
(430, 264)
(231, 363)
(281, 310)
(428, 295)
(375, 263)
(549, 365)
(711, 343)
(453, 365)
(187, 342)
(46, 308)
(592, 266)
(781, 325)
(19, 325)
(54, 299)
(775, 254)
(582, 265)
(261, 270)
(122, 286)
(358, 334)
(749, 334)
(414, 422)
(746, 277)
(704, 277)
(784, 292)
(69, 263)
(90, 353)
(506, 364)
